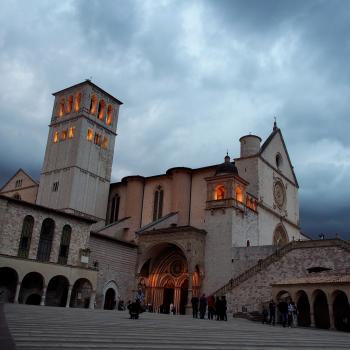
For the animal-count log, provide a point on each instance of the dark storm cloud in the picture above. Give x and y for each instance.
(194, 77)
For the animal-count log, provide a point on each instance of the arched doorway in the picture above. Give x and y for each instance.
(163, 273)
(57, 291)
(341, 311)
(31, 289)
(303, 307)
(110, 299)
(81, 293)
(321, 312)
(8, 284)
(280, 236)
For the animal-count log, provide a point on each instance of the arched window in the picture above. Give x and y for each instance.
(109, 120)
(69, 104)
(114, 209)
(239, 194)
(60, 111)
(77, 102)
(64, 247)
(45, 241)
(280, 236)
(101, 109)
(219, 192)
(26, 236)
(158, 203)
(93, 104)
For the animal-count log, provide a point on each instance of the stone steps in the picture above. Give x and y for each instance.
(39, 328)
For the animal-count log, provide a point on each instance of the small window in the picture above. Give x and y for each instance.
(158, 203)
(69, 104)
(279, 161)
(26, 236)
(18, 183)
(17, 196)
(97, 139)
(93, 104)
(90, 135)
(63, 135)
(101, 110)
(61, 108)
(219, 192)
(56, 137)
(105, 142)
(55, 186)
(239, 194)
(77, 102)
(71, 132)
(109, 120)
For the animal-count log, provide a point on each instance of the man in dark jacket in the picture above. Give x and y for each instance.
(283, 309)
(202, 306)
(194, 302)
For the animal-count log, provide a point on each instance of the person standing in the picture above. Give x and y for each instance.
(211, 307)
(194, 302)
(202, 306)
(218, 308)
(223, 308)
(272, 311)
(283, 309)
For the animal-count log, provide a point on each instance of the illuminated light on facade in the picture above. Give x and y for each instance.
(90, 135)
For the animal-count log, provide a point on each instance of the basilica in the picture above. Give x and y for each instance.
(75, 239)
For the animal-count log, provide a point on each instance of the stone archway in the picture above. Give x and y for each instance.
(57, 291)
(321, 311)
(31, 288)
(280, 236)
(341, 311)
(8, 283)
(81, 293)
(303, 306)
(110, 295)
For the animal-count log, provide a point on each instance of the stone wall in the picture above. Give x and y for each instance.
(257, 288)
(116, 263)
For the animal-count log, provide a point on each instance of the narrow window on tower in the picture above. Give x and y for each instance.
(158, 203)
(114, 209)
(239, 194)
(77, 101)
(63, 135)
(60, 111)
(71, 132)
(56, 137)
(55, 186)
(109, 120)
(105, 142)
(97, 139)
(93, 104)
(69, 104)
(90, 135)
(101, 110)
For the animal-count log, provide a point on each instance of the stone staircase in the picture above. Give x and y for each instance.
(277, 255)
(53, 328)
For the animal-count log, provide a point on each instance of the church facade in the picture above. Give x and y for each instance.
(76, 239)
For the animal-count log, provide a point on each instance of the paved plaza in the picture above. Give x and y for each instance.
(35, 328)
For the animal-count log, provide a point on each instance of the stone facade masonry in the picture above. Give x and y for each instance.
(256, 289)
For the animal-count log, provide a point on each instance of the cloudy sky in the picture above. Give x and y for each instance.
(194, 76)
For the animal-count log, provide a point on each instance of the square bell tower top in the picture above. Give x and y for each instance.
(88, 100)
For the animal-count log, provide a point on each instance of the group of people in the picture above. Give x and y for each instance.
(287, 311)
(217, 307)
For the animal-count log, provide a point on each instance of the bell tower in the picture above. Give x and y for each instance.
(78, 159)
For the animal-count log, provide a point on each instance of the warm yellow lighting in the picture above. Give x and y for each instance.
(97, 139)
(77, 101)
(109, 115)
(219, 192)
(69, 104)
(63, 135)
(101, 109)
(61, 108)
(71, 132)
(239, 194)
(90, 135)
(55, 137)
(105, 142)
(93, 104)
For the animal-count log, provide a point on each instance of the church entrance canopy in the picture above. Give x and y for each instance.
(170, 267)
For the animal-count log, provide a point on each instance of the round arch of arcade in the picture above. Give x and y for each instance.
(325, 307)
(39, 288)
(167, 275)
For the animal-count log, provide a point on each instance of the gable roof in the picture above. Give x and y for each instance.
(276, 131)
(13, 176)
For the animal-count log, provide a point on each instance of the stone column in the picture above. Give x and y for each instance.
(92, 300)
(69, 295)
(312, 317)
(18, 288)
(43, 296)
(331, 318)
(189, 294)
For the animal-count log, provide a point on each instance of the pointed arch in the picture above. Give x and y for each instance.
(280, 236)
(46, 238)
(26, 236)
